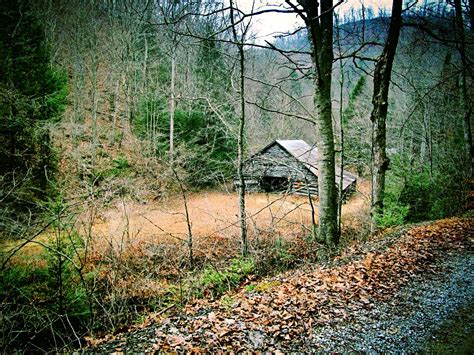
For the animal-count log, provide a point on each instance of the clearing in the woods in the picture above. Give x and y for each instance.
(213, 217)
(149, 240)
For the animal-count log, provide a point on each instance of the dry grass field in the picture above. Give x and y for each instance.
(214, 220)
(147, 229)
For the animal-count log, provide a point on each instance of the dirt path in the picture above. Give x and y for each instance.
(391, 298)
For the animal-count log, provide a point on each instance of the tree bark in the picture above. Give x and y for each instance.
(145, 68)
(464, 86)
(319, 20)
(240, 141)
(340, 187)
(378, 116)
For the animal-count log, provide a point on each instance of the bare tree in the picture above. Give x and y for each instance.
(378, 116)
(340, 182)
(461, 45)
(240, 139)
(319, 21)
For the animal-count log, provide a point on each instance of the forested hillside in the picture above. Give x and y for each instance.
(125, 127)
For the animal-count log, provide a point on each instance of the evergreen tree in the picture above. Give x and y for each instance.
(32, 93)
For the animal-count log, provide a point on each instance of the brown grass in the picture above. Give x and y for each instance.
(214, 220)
(155, 232)
(137, 255)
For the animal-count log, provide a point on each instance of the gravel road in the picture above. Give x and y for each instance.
(409, 320)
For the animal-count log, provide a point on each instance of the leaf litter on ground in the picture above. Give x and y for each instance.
(275, 317)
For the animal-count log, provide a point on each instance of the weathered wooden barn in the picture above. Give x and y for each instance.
(288, 166)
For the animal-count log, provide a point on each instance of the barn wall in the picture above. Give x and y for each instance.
(276, 162)
(274, 169)
(349, 190)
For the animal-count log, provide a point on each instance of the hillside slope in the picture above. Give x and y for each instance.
(390, 294)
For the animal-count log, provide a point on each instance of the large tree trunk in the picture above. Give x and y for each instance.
(319, 20)
(378, 116)
(461, 44)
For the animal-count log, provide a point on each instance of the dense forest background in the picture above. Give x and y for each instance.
(105, 101)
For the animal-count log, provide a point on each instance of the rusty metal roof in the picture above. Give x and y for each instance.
(308, 155)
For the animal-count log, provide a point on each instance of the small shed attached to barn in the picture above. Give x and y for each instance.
(288, 166)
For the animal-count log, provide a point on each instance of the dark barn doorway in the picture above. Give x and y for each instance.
(274, 183)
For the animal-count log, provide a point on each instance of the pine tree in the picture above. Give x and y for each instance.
(32, 93)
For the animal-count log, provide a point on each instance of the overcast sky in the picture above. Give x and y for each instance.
(267, 24)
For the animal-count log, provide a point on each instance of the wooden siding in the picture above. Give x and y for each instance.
(289, 166)
(275, 162)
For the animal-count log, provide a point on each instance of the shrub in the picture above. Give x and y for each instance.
(44, 305)
(217, 282)
(395, 210)
(279, 254)
(394, 214)
(416, 193)
(121, 168)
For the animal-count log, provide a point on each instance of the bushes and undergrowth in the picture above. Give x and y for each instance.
(63, 294)
(71, 294)
(217, 282)
(203, 146)
(44, 298)
(420, 193)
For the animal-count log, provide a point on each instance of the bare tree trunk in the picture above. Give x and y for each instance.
(126, 116)
(240, 142)
(145, 67)
(340, 189)
(116, 109)
(172, 105)
(319, 20)
(465, 97)
(311, 205)
(378, 116)
(95, 100)
(426, 142)
(79, 90)
(188, 219)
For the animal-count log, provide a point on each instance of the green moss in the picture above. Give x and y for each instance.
(262, 287)
(219, 281)
(455, 336)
